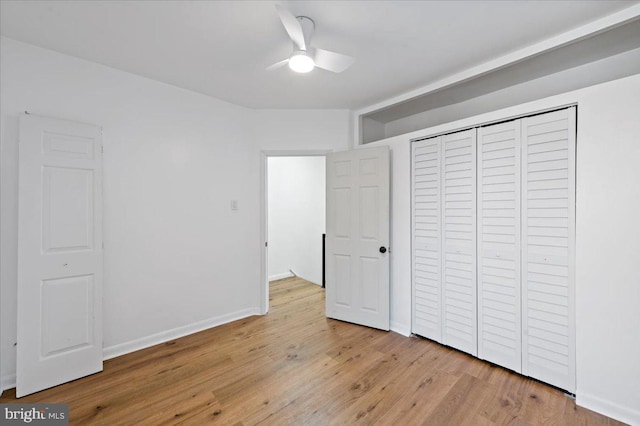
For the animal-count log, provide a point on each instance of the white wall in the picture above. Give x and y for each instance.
(607, 238)
(299, 130)
(296, 212)
(608, 249)
(177, 258)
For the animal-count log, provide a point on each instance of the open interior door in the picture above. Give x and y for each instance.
(357, 242)
(59, 253)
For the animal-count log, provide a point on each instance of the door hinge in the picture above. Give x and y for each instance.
(266, 244)
(101, 149)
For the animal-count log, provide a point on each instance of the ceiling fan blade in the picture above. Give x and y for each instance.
(293, 27)
(278, 65)
(332, 61)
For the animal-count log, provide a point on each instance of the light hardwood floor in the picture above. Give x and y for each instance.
(294, 366)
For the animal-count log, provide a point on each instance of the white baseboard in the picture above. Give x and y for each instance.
(403, 329)
(165, 336)
(610, 409)
(280, 276)
(8, 382)
(287, 275)
(308, 280)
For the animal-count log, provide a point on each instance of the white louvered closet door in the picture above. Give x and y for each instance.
(427, 239)
(548, 235)
(499, 325)
(459, 304)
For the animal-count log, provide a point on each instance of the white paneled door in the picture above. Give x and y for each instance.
(59, 253)
(357, 242)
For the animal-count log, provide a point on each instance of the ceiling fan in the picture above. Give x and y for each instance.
(304, 57)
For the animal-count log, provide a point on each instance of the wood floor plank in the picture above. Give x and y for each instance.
(422, 396)
(295, 366)
(395, 383)
(462, 404)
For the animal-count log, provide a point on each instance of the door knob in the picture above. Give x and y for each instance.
(383, 249)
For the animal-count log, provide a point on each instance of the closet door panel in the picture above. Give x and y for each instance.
(427, 240)
(459, 306)
(548, 235)
(499, 313)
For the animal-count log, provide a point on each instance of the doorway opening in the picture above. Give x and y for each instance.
(294, 185)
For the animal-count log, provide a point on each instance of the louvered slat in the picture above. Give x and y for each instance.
(427, 246)
(548, 226)
(459, 240)
(499, 325)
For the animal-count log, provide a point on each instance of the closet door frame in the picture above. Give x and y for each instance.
(570, 386)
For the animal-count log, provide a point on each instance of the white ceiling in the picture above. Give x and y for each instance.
(221, 48)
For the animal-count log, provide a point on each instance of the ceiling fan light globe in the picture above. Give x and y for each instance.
(301, 62)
